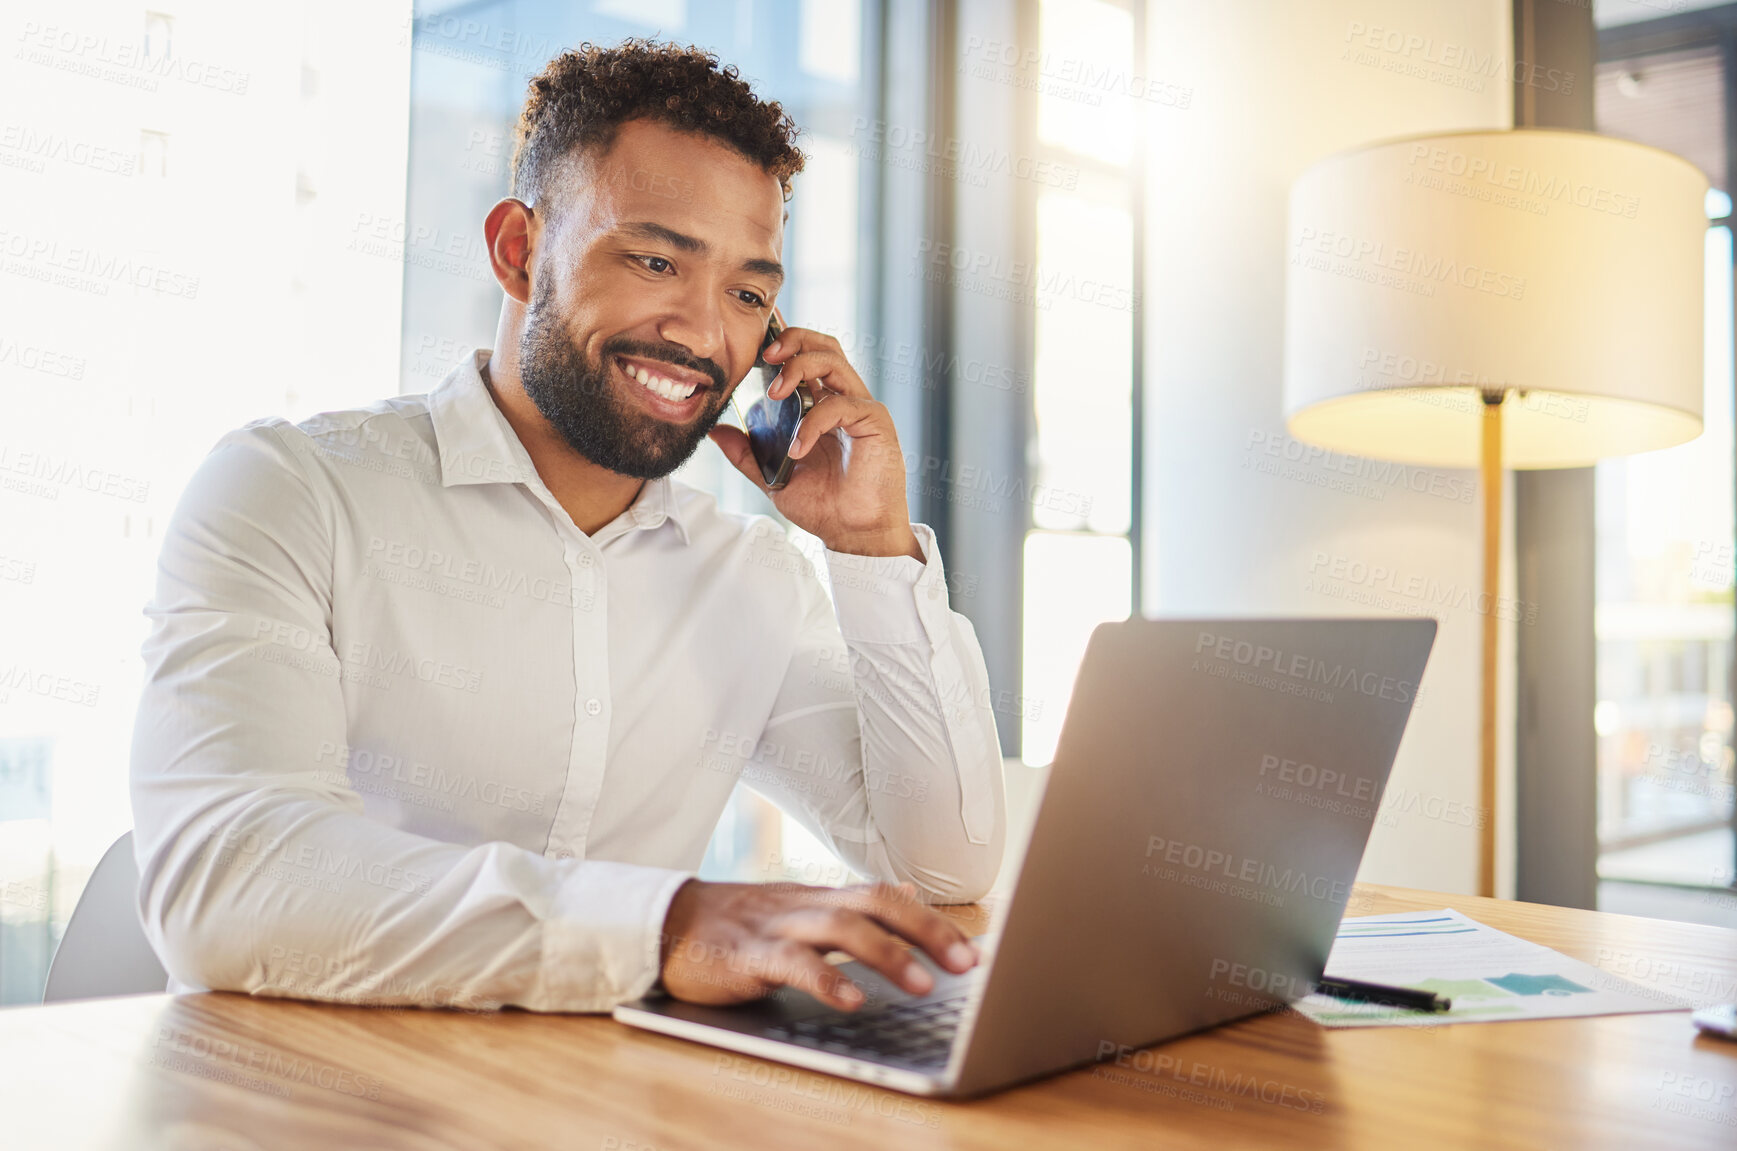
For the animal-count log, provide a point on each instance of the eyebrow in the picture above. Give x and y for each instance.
(683, 242)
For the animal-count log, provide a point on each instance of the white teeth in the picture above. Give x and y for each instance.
(668, 389)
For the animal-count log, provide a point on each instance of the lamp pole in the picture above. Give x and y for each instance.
(1490, 476)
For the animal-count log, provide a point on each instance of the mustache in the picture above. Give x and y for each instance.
(667, 352)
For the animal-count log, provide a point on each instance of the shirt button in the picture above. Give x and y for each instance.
(564, 853)
(585, 560)
(593, 706)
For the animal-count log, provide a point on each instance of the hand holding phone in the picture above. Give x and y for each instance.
(822, 445)
(772, 424)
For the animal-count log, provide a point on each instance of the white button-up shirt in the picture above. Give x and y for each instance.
(409, 736)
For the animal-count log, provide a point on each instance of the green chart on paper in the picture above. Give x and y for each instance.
(1490, 975)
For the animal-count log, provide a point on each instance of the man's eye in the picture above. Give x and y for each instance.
(752, 299)
(656, 263)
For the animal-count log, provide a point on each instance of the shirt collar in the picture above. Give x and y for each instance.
(477, 445)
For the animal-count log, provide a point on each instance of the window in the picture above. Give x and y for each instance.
(159, 37)
(1079, 555)
(1664, 545)
(27, 931)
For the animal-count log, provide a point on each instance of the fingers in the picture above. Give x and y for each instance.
(809, 355)
(751, 969)
(898, 909)
(732, 942)
(858, 417)
(792, 964)
(835, 929)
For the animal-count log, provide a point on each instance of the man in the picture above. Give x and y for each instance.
(445, 695)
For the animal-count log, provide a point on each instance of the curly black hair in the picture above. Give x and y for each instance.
(584, 95)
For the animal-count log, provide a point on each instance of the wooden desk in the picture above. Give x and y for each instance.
(148, 1072)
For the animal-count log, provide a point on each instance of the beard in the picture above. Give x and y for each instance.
(584, 404)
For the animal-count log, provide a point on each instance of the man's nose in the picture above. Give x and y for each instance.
(697, 324)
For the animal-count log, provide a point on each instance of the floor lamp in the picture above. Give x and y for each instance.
(1524, 298)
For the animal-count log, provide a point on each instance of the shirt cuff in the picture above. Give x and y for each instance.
(604, 938)
(890, 599)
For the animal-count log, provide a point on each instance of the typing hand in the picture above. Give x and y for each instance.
(731, 942)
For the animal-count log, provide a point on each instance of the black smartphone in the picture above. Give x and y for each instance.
(771, 424)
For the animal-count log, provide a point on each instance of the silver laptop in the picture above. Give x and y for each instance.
(1190, 860)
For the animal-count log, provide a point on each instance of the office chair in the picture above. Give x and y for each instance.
(104, 950)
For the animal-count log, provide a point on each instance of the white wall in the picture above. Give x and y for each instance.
(1276, 86)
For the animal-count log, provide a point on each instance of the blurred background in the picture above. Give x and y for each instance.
(1050, 234)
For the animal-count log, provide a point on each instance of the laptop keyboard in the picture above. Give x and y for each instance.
(919, 1033)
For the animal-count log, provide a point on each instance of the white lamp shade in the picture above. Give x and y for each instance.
(1566, 265)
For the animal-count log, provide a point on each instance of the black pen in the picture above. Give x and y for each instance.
(1406, 997)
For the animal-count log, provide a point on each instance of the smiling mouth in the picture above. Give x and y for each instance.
(665, 387)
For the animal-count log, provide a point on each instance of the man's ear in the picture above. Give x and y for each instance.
(509, 230)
